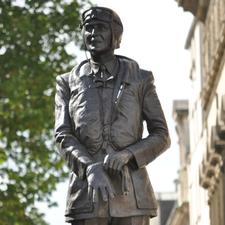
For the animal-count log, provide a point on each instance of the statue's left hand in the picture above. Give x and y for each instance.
(115, 162)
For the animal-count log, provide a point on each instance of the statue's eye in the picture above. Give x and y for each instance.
(102, 27)
(99, 27)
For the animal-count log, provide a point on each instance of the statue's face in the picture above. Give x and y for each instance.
(97, 37)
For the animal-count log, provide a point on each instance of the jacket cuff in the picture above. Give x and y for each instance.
(132, 163)
(76, 157)
(139, 159)
(82, 163)
(146, 150)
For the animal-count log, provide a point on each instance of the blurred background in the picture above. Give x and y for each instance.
(182, 42)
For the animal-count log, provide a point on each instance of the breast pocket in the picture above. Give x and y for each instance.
(129, 100)
(85, 114)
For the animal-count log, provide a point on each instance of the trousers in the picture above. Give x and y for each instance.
(133, 220)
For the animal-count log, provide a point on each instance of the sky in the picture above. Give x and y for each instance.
(154, 35)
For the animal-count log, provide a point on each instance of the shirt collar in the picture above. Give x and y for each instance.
(112, 66)
(89, 67)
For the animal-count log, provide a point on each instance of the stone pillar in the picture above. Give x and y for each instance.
(180, 115)
(212, 176)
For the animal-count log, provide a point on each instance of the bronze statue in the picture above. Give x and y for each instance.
(100, 108)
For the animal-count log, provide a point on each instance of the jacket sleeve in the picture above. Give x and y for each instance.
(70, 148)
(158, 140)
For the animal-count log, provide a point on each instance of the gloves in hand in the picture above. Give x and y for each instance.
(98, 181)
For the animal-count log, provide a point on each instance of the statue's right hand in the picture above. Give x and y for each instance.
(98, 181)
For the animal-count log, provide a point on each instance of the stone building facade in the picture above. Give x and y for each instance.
(201, 120)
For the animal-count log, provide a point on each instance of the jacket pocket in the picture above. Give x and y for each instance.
(144, 193)
(77, 197)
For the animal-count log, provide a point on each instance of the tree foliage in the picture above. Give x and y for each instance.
(33, 37)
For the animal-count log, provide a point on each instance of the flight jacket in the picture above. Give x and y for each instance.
(79, 130)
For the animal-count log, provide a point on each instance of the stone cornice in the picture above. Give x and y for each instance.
(197, 7)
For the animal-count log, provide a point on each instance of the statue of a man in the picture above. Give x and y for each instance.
(100, 109)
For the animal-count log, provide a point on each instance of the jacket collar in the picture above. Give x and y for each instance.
(126, 68)
(89, 67)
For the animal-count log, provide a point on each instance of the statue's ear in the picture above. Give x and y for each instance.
(117, 44)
